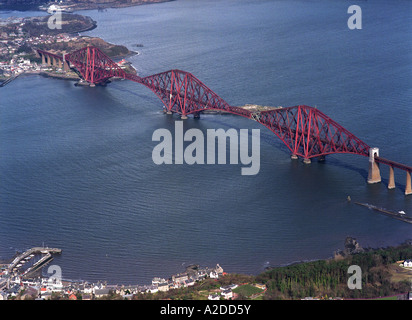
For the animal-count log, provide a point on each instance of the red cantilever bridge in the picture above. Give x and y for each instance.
(306, 131)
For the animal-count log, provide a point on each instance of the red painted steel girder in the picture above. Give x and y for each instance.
(393, 164)
(181, 92)
(133, 77)
(94, 65)
(308, 132)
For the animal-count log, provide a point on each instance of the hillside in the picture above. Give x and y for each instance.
(112, 50)
(381, 276)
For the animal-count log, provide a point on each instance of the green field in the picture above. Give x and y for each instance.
(247, 290)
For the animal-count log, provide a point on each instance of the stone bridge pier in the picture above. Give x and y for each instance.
(53, 60)
(374, 175)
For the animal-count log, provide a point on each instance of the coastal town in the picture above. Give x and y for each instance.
(22, 279)
(19, 42)
(14, 60)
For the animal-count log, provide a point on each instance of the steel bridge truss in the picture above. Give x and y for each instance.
(181, 92)
(94, 65)
(306, 131)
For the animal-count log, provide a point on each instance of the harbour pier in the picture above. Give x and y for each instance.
(28, 254)
(396, 215)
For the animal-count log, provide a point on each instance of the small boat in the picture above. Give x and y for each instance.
(401, 212)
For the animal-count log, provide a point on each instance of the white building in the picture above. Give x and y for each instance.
(152, 289)
(227, 294)
(229, 287)
(408, 263)
(163, 286)
(157, 280)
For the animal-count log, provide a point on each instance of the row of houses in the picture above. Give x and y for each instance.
(45, 288)
(193, 274)
(19, 65)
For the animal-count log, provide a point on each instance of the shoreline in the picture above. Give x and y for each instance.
(256, 277)
(113, 5)
(92, 27)
(81, 7)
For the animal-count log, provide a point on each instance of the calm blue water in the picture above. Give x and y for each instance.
(76, 166)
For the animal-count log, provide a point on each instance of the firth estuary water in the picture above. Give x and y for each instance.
(76, 162)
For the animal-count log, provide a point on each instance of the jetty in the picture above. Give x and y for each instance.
(28, 254)
(389, 213)
(8, 80)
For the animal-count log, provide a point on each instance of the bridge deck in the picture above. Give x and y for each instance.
(393, 164)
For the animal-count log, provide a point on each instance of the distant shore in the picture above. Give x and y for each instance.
(114, 4)
(81, 6)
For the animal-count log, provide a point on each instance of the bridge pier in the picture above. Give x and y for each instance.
(66, 66)
(65, 63)
(408, 189)
(307, 161)
(391, 184)
(374, 175)
(294, 157)
(84, 83)
(183, 117)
